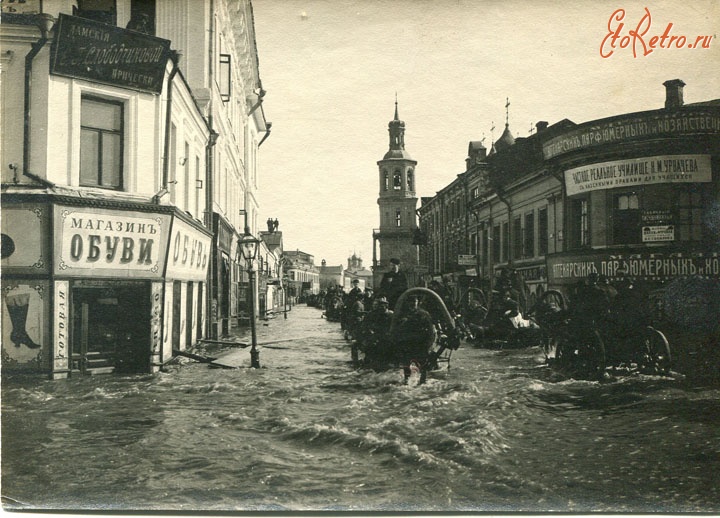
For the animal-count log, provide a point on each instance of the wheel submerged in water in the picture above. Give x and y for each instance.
(655, 356)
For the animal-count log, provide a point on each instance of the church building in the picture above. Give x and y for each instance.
(397, 202)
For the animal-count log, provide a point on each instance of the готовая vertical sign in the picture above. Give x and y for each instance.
(106, 54)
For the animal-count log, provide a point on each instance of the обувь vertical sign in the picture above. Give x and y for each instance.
(106, 54)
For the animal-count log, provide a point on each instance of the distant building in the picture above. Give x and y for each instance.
(303, 276)
(331, 276)
(356, 270)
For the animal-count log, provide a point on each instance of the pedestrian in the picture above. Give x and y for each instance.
(375, 333)
(393, 283)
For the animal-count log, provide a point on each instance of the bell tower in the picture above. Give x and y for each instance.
(397, 202)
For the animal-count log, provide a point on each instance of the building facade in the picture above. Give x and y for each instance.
(630, 196)
(112, 197)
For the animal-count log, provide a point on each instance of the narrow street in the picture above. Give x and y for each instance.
(307, 431)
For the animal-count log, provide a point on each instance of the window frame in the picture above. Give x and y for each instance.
(100, 131)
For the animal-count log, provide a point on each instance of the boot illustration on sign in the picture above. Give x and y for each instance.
(17, 306)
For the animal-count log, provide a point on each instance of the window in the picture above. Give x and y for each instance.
(225, 78)
(386, 180)
(410, 180)
(474, 243)
(104, 11)
(485, 246)
(142, 16)
(542, 231)
(580, 223)
(689, 209)
(529, 245)
(626, 218)
(475, 192)
(517, 238)
(505, 241)
(397, 217)
(496, 244)
(101, 143)
(397, 181)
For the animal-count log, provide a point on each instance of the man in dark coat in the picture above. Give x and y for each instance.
(413, 335)
(393, 283)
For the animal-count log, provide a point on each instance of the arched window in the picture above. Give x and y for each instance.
(386, 180)
(410, 180)
(397, 181)
(397, 218)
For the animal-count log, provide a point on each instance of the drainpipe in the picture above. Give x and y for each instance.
(45, 23)
(209, 184)
(168, 121)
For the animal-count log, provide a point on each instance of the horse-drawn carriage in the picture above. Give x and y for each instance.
(584, 346)
(419, 335)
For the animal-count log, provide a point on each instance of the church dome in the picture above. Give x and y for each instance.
(505, 141)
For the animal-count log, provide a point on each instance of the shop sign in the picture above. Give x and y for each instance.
(532, 273)
(472, 272)
(21, 6)
(632, 127)
(466, 260)
(109, 243)
(188, 255)
(638, 171)
(24, 232)
(61, 323)
(107, 54)
(645, 266)
(658, 233)
(156, 319)
(656, 217)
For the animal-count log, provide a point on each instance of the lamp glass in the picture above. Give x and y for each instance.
(248, 247)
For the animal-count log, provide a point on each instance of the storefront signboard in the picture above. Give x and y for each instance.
(687, 121)
(189, 252)
(658, 233)
(24, 236)
(567, 269)
(107, 54)
(638, 172)
(61, 324)
(466, 260)
(110, 243)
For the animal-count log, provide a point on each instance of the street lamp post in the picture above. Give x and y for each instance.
(248, 249)
(285, 295)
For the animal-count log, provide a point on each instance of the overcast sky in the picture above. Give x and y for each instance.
(332, 67)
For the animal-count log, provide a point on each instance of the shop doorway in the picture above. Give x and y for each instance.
(111, 329)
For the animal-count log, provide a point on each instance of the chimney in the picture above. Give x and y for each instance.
(541, 126)
(673, 93)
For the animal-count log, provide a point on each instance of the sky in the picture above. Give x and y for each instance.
(332, 69)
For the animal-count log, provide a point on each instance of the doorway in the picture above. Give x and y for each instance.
(110, 329)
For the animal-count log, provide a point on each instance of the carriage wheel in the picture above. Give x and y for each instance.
(656, 356)
(581, 354)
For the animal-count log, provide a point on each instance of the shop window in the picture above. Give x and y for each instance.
(626, 218)
(689, 211)
(580, 223)
(542, 231)
(529, 245)
(101, 143)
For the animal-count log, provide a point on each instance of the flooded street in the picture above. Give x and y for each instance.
(498, 431)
